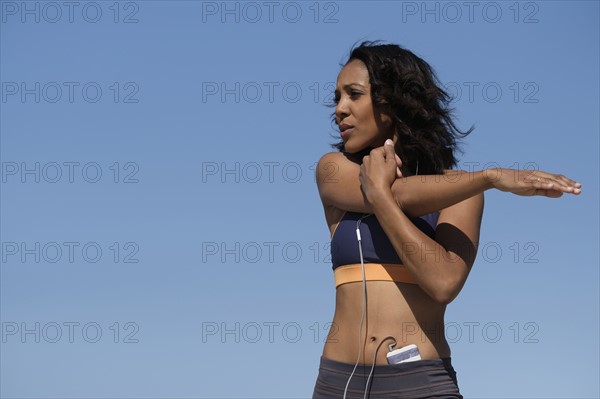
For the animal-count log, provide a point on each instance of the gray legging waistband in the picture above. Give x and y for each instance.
(429, 378)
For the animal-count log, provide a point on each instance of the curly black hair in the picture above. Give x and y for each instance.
(407, 88)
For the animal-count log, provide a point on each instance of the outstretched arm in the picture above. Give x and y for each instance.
(419, 195)
(339, 186)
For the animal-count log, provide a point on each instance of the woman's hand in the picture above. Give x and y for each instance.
(379, 170)
(531, 182)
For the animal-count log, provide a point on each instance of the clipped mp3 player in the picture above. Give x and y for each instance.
(409, 353)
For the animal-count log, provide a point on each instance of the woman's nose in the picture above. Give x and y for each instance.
(341, 110)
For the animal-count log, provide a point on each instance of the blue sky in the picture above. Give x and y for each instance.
(162, 233)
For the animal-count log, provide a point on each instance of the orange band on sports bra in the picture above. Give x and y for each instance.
(373, 271)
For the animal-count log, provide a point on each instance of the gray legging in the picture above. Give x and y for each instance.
(429, 378)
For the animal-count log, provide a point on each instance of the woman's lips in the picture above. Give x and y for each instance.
(346, 132)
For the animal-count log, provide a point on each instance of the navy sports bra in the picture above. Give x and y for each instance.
(378, 252)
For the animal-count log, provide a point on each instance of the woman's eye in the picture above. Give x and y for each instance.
(352, 94)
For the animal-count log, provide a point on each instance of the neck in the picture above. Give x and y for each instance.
(357, 157)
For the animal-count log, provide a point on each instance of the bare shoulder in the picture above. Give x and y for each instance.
(328, 173)
(334, 156)
(334, 168)
(339, 156)
(338, 182)
(332, 159)
(329, 168)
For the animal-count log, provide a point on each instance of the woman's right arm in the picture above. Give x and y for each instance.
(339, 186)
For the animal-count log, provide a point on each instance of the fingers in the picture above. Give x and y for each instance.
(398, 165)
(571, 185)
(386, 152)
(548, 193)
(390, 153)
(544, 185)
(559, 184)
(548, 181)
(378, 152)
(567, 181)
(389, 150)
(398, 160)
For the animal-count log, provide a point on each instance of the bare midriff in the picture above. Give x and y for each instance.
(401, 310)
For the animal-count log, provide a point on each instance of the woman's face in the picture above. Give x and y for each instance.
(370, 128)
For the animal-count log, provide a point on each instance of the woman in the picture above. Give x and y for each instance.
(418, 221)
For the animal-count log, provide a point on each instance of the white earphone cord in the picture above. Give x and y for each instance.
(363, 316)
(364, 302)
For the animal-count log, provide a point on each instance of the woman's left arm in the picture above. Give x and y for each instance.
(440, 266)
